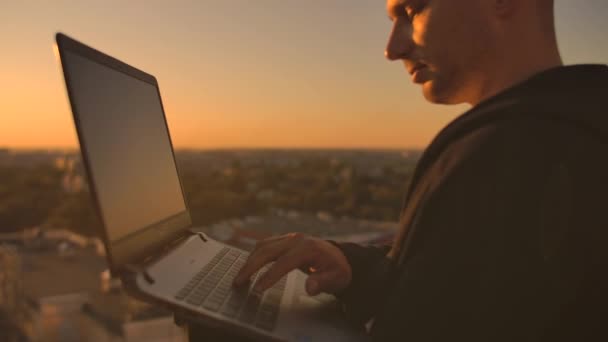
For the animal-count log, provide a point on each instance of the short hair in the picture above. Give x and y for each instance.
(545, 10)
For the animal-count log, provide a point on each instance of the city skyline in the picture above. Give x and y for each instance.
(309, 75)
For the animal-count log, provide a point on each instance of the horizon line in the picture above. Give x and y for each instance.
(328, 148)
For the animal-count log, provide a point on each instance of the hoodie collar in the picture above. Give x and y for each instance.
(553, 91)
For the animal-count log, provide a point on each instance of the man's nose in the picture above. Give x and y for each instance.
(400, 41)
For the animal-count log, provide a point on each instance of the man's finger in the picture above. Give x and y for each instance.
(286, 263)
(273, 239)
(318, 282)
(254, 263)
(260, 257)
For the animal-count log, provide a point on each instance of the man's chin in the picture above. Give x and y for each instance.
(435, 94)
(430, 93)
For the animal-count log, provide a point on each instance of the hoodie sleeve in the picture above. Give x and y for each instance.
(370, 274)
(500, 251)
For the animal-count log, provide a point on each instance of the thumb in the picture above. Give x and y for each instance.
(320, 282)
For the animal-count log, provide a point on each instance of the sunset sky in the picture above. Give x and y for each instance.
(243, 73)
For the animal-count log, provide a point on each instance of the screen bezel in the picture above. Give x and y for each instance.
(146, 241)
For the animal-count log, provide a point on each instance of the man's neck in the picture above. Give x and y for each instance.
(510, 77)
(514, 68)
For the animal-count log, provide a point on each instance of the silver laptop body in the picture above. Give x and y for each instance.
(147, 231)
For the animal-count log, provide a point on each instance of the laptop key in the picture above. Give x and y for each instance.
(195, 300)
(212, 305)
(250, 310)
(212, 289)
(266, 314)
(230, 311)
(192, 283)
(235, 302)
(182, 294)
(232, 307)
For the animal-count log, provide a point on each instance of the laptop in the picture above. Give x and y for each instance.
(148, 234)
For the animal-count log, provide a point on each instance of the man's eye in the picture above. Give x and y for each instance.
(412, 11)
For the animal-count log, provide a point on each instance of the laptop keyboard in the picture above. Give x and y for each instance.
(211, 288)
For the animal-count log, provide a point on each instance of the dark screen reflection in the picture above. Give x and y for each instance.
(124, 134)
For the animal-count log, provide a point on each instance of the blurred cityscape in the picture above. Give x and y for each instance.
(54, 282)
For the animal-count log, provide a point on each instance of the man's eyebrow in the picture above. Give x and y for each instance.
(396, 8)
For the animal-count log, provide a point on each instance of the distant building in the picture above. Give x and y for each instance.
(5, 155)
(13, 313)
(72, 183)
(11, 286)
(346, 175)
(245, 233)
(376, 172)
(325, 216)
(65, 279)
(60, 163)
(265, 195)
(129, 320)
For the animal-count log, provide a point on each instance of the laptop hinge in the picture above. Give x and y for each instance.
(200, 234)
(136, 269)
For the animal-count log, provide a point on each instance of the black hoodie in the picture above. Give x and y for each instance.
(504, 231)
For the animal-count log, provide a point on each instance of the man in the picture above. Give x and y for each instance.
(503, 235)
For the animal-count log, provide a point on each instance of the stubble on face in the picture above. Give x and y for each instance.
(451, 38)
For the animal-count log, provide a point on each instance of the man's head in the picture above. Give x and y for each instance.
(468, 50)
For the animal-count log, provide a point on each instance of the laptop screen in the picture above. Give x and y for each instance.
(123, 132)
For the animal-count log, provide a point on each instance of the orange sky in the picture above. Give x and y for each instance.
(239, 74)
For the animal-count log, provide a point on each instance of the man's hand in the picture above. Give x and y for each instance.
(328, 269)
